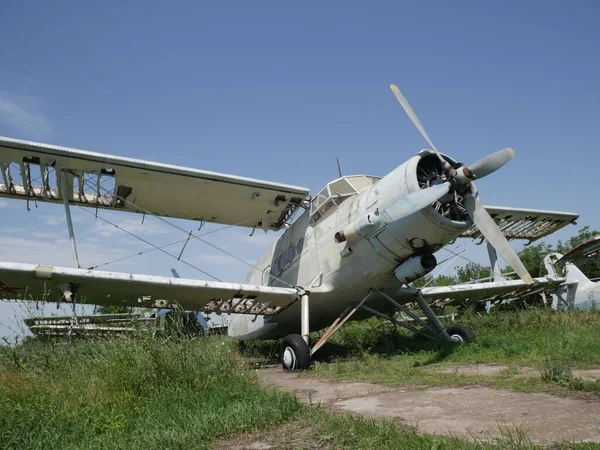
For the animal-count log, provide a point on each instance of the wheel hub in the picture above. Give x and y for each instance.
(289, 358)
(457, 338)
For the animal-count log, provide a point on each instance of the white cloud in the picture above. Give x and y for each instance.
(52, 220)
(24, 113)
(53, 249)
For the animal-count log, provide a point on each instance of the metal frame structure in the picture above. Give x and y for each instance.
(434, 330)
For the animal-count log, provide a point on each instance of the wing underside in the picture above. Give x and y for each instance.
(519, 223)
(50, 283)
(33, 171)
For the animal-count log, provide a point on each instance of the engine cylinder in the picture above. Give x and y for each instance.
(360, 229)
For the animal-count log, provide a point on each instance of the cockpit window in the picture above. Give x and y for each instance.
(321, 197)
(327, 200)
(341, 187)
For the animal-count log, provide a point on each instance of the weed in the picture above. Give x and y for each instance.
(558, 371)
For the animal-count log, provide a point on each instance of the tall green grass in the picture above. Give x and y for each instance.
(511, 336)
(131, 394)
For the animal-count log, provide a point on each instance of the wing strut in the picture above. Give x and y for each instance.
(65, 196)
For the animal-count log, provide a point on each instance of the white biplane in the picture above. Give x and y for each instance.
(352, 252)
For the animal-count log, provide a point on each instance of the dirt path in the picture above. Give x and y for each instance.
(462, 412)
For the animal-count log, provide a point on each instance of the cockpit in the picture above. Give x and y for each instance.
(336, 192)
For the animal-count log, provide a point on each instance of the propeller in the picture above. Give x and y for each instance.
(412, 115)
(491, 163)
(494, 235)
(459, 181)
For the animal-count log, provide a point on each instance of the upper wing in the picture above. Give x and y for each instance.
(32, 171)
(51, 283)
(519, 223)
(472, 293)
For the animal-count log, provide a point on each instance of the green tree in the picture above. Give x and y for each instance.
(472, 271)
(532, 257)
(445, 280)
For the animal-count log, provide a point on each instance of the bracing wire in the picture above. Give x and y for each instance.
(197, 237)
(149, 243)
(181, 241)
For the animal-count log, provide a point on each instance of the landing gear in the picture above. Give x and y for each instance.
(433, 329)
(295, 354)
(461, 334)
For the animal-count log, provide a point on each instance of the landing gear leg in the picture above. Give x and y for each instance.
(294, 353)
(304, 312)
(434, 329)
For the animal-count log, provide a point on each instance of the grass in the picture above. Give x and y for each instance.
(131, 394)
(183, 394)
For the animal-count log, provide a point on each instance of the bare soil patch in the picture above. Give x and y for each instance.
(474, 411)
(499, 369)
(291, 435)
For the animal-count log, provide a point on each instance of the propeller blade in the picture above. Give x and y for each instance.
(415, 201)
(491, 163)
(494, 235)
(415, 120)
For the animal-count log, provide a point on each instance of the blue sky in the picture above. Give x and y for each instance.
(276, 91)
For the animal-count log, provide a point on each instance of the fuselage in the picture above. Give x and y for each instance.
(341, 273)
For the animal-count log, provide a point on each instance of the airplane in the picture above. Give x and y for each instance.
(578, 291)
(351, 253)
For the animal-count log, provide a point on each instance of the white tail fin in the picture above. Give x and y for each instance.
(564, 269)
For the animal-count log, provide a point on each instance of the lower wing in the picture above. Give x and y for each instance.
(54, 284)
(461, 294)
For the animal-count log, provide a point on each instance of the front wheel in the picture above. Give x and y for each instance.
(461, 333)
(295, 354)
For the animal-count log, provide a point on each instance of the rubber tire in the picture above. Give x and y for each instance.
(300, 349)
(466, 333)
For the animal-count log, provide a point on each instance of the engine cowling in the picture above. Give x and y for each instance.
(415, 267)
(427, 230)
